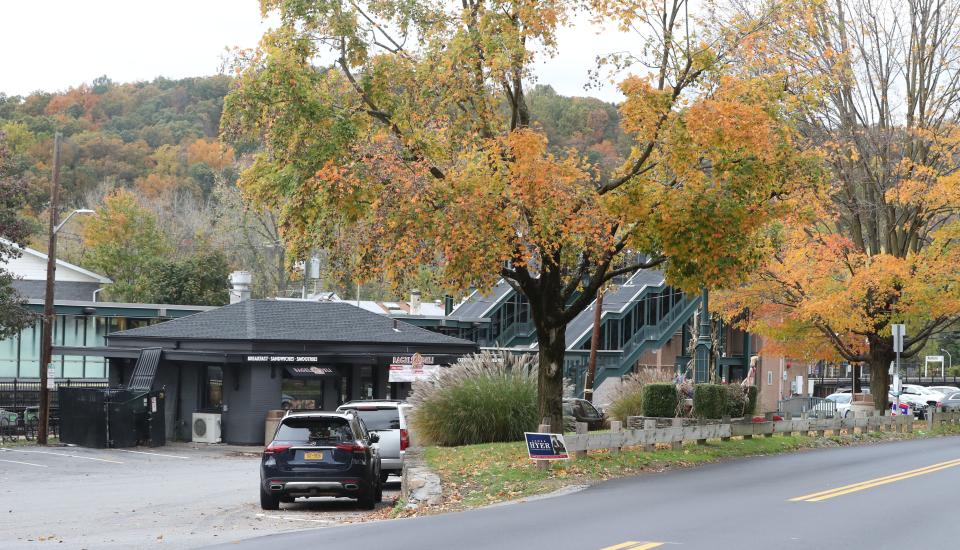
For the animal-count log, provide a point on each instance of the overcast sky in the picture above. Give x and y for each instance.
(55, 44)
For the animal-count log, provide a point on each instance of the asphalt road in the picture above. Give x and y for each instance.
(177, 496)
(745, 504)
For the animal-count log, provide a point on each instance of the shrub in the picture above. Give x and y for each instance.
(627, 398)
(660, 400)
(752, 393)
(627, 404)
(709, 401)
(736, 401)
(483, 398)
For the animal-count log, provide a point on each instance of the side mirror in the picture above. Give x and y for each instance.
(373, 437)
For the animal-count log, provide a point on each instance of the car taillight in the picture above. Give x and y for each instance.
(404, 440)
(275, 448)
(352, 448)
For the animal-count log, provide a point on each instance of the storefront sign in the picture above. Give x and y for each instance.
(282, 359)
(310, 372)
(413, 368)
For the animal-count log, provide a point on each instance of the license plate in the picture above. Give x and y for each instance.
(313, 456)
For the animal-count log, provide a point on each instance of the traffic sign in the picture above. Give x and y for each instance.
(899, 331)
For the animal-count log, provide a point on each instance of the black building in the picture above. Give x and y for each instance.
(245, 359)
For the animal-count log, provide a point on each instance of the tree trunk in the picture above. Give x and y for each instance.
(552, 343)
(880, 358)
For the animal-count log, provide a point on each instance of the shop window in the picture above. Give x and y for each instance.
(366, 382)
(211, 391)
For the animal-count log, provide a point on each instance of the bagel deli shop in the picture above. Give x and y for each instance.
(242, 360)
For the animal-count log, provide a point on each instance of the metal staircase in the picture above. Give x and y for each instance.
(146, 370)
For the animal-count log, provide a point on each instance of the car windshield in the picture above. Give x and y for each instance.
(839, 397)
(378, 418)
(589, 409)
(315, 430)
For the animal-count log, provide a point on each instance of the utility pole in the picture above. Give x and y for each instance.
(46, 339)
(594, 346)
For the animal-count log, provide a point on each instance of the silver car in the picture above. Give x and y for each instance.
(388, 419)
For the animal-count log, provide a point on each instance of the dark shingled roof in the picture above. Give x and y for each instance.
(285, 320)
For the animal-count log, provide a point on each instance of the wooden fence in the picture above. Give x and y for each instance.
(648, 432)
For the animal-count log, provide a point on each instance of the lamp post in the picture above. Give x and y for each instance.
(46, 342)
(950, 357)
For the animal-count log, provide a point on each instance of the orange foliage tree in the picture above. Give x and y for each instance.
(416, 146)
(876, 87)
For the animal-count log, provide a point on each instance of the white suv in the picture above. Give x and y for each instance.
(388, 419)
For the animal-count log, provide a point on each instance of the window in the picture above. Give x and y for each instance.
(769, 377)
(211, 392)
(315, 430)
(378, 418)
(589, 410)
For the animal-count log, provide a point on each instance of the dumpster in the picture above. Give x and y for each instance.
(112, 417)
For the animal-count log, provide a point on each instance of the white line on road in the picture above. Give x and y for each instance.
(62, 454)
(153, 454)
(27, 463)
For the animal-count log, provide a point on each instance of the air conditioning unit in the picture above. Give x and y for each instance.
(206, 428)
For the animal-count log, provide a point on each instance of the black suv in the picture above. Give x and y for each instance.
(581, 410)
(317, 454)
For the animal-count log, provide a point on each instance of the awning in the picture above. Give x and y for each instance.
(312, 371)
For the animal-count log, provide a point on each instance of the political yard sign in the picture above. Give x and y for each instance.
(546, 446)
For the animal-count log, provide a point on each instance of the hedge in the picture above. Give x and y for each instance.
(736, 401)
(710, 401)
(660, 400)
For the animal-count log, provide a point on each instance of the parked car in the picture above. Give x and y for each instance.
(581, 410)
(388, 419)
(946, 390)
(922, 394)
(316, 454)
(913, 399)
(952, 402)
(842, 401)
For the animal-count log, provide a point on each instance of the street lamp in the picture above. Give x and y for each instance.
(46, 342)
(950, 357)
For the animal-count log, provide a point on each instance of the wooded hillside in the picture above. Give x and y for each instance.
(170, 222)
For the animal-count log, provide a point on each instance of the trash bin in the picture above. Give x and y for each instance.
(270, 426)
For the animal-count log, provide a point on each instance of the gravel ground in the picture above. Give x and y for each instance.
(178, 496)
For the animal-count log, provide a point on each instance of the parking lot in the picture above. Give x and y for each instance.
(178, 496)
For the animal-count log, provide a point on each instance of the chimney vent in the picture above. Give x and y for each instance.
(415, 302)
(240, 282)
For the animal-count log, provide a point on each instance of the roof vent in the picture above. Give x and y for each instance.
(240, 282)
(415, 302)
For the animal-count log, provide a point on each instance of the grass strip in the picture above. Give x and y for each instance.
(477, 475)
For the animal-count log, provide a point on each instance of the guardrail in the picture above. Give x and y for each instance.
(674, 432)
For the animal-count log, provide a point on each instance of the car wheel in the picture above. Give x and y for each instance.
(379, 495)
(268, 501)
(383, 477)
(367, 499)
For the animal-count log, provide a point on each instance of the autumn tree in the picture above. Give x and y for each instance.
(123, 243)
(13, 230)
(877, 85)
(417, 144)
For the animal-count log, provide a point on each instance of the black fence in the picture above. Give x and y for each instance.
(824, 386)
(17, 395)
(20, 406)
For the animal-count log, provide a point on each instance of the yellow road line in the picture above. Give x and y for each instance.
(846, 489)
(633, 545)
